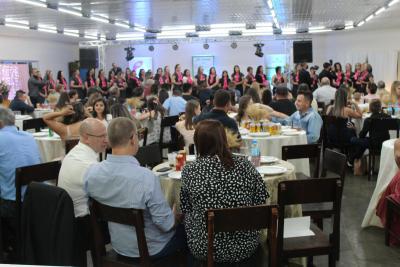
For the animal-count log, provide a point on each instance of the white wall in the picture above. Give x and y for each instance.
(50, 54)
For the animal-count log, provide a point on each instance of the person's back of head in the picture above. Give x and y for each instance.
(303, 88)
(19, 95)
(122, 136)
(154, 89)
(372, 88)
(282, 92)
(186, 88)
(231, 85)
(79, 114)
(325, 81)
(7, 117)
(254, 95)
(63, 100)
(162, 95)
(177, 91)
(381, 85)
(375, 106)
(222, 99)
(266, 97)
(119, 110)
(326, 66)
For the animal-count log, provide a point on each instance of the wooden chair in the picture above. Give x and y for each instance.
(243, 219)
(311, 151)
(149, 155)
(70, 144)
(334, 162)
(131, 217)
(392, 207)
(142, 134)
(340, 124)
(379, 125)
(170, 122)
(24, 176)
(310, 191)
(36, 124)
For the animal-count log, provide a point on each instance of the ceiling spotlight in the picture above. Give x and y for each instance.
(234, 45)
(129, 53)
(206, 46)
(151, 48)
(259, 52)
(175, 47)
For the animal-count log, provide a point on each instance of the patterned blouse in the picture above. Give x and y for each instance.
(207, 184)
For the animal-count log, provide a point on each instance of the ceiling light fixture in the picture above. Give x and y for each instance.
(379, 11)
(213, 34)
(99, 18)
(92, 37)
(320, 31)
(47, 30)
(288, 31)
(33, 3)
(316, 28)
(7, 24)
(122, 25)
(361, 23)
(259, 52)
(171, 36)
(369, 17)
(71, 12)
(227, 26)
(23, 22)
(393, 2)
(179, 27)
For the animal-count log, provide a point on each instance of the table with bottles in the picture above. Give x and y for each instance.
(270, 137)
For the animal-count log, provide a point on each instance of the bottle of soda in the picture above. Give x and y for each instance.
(255, 153)
(51, 133)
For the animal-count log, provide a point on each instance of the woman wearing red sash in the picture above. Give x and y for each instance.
(237, 78)
(224, 81)
(339, 75)
(102, 83)
(90, 80)
(356, 78)
(366, 77)
(61, 80)
(187, 77)
(261, 78)
(127, 74)
(111, 78)
(158, 78)
(167, 78)
(200, 78)
(250, 78)
(121, 84)
(142, 75)
(212, 81)
(348, 75)
(76, 84)
(132, 83)
(177, 77)
(50, 83)
(295, 79)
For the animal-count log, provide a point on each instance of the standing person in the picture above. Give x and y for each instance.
(212, 81)
(185, 125)
(50, 83)
(115, 68)
(348, 74)
(177, 77)
(90, 80)
(167, 78)
(314, 78)
(158, 78)
(76, 84)
(132, 83)
(142, 75)
(121, 84)
(61, 80)
(102, 83)
(327, 72)
(261, 78)
(366, 77)
(295, 79)
(356, 78)
(120, 181)
(278, 79)
(18, 149)
(111, 78)
(35, 85)
(187, 78)
(250, 78)
(282, 103)
(218, 179)
(237, 78)
(127, 73)
(340, 79)
(224, 81)
(200, 77)
(304, 75)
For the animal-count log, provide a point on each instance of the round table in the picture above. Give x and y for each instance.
(171, 187)
(50, 148)
(387, 169)
(272, 146)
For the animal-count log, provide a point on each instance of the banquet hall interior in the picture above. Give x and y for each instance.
(200, 132)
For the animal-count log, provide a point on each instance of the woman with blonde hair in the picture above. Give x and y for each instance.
(395, 93)
(185, 125)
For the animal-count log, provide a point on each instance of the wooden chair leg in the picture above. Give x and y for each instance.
(332, 260)
(369, 165)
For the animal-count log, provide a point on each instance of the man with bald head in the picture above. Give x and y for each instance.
(325, 93)
(93, 140)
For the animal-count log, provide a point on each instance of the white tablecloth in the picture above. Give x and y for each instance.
(39, 112)
(50, 148)
(272, 146)
(387, 169)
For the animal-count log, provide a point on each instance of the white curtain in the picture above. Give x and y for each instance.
(384, 66)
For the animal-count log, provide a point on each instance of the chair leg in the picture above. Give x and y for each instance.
(373, 164)
(332, 260)
(369, 165)
(310, 261)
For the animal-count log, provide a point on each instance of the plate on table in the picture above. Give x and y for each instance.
(292, 133)
(190, 158)
(289, 130)
(271, 170)
(175, 175)
(266, 159)
(40, 134)
(44, 130)
(260, 134)
(243, 131)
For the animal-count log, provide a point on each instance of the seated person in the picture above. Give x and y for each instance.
(120, 181)
(175, 104)
(187, 92)
(372, 95)
(19, 103)
(69, 127)
(18, 149)
(376, 137)
(325, 93)
(282, 103)
(218, 179)
(222, 104)
(185, 125)
(393, 190)
(306, 117)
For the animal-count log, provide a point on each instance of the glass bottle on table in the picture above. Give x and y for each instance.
(255, 153)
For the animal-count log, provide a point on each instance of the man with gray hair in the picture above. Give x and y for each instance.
(325, 93)
(17, 149)
(120, 181)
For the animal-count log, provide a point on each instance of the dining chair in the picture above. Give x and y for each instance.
(169, 122)
(392, 208)
(70, 143)
(309, 151)
(149, 155)
(36, 124)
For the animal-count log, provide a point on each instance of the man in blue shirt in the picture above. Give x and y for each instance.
(120, 181)
(17, 149)
(18, 103)
(175, 104)
(305, 117)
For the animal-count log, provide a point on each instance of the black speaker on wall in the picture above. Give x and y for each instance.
(302, 51)
(89, 58)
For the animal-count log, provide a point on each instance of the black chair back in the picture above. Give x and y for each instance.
(310, 151)
(70, 144)
(36, 124)
(334, 162)
(149, 155)
(170, 122)
(340, 126)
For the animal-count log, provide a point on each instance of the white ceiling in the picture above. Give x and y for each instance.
(153, 14)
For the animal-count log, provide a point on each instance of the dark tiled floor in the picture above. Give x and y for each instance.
(360, 247)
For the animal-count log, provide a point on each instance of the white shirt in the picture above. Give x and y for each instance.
(73, 169)
(325, 94)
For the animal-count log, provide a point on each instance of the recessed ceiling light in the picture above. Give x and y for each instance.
(71, 12)
(33, 3)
